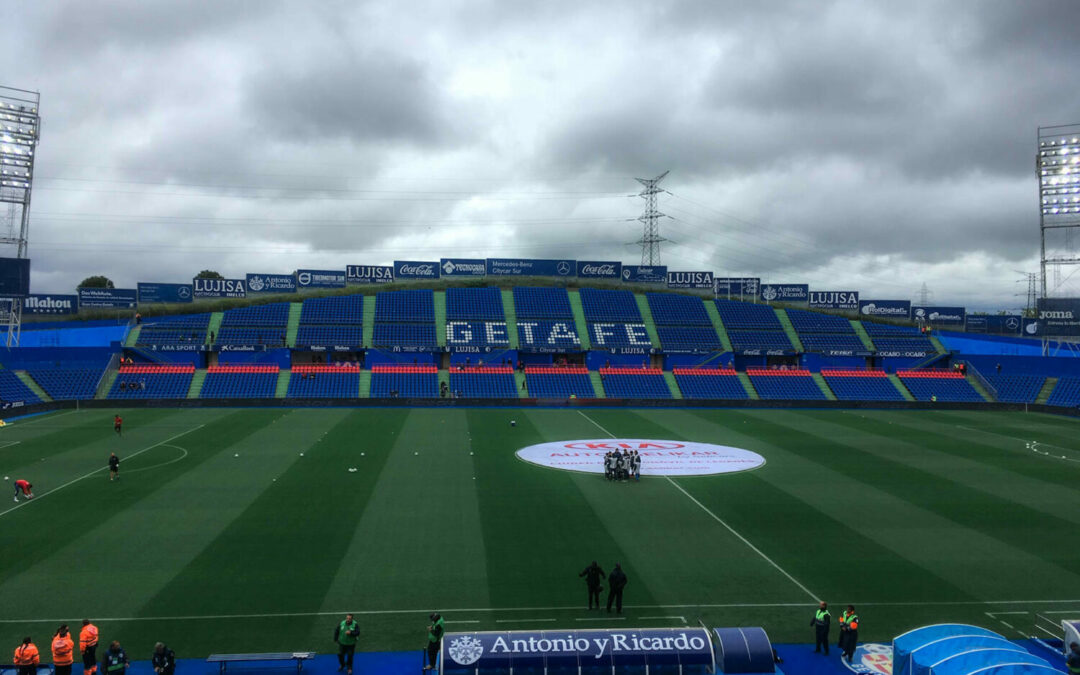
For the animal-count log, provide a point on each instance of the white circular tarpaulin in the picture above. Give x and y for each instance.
(658, 458)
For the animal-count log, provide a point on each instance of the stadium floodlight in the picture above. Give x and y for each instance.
(1057, 167)
(20, 127)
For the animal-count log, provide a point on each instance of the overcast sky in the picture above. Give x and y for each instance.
(858, 145)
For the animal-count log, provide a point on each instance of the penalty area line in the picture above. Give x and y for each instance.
(99, 470)
(720, 520)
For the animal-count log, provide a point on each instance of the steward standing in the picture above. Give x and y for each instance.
(88, 639)
(820, 622)
(27, 657)
(115, 660)
(434, 635)
(593, 574)
(345, 636)
(617, 580)
(163, 660)
(62, 648)
(849, 632)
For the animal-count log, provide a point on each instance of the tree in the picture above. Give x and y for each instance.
(96, 282)
(208, 274)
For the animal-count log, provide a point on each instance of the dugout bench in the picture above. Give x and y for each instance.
(271, 657)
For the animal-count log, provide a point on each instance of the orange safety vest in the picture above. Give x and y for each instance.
(87, 637)
(27, 655)
(62, 647)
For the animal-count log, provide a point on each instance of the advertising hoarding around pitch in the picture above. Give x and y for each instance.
(219, 288)
(369, 274)
(834, 300)
(271, 283)
(701, 280)
(599, 269)
(940, 316)
(526, 267)
(108, 298)
(150, 293)
(994, 324)
(794, 293)
(1057, 317)
(320, 278)
(644, 274)
(50, 303)
(415, 270)
(736, 287)
(896, 309)
(463, 267)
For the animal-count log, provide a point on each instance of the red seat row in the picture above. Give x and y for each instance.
(557, 370)
(326, 368)
(404, 369)
(940, 374)
(703, 371)
(273, 368)
(852, 373)
(631, 371)
(482, 369)
(768, 372)
(154, 370)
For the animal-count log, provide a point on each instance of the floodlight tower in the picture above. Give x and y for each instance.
(19, 130)
(1058, 169)
(650, 237)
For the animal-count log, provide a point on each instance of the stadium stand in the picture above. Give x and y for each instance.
(66, 385)
(550, 335)
(338, 310)
(946, 385)
(389, 381)
(558, 382)
(154, 381)
(688, 338)
(174, 330)
(861, 385)
(1017, 388)
(889, 330)
(635, 383)
(405, 319)
(329, 336)
(785, 384)
(258, 325)
(14, 389)
(747, 316)
(474, 303)
(240, 382)
(759, 339)
(607, 336)
(916, 343)
(824, 332)
(1066, 392)
(477, 333)
(542, 303)
(709, 383)
(609, 306)
(483, 382)
(324, 381)
(669, 309)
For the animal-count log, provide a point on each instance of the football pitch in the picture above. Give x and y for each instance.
(234, 530)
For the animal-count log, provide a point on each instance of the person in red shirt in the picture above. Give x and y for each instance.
(23, 486)
(117, 424)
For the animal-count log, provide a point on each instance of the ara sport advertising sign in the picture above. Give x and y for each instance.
(658, 458)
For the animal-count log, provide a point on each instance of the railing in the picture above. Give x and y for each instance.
(968, 368)
(114, 364)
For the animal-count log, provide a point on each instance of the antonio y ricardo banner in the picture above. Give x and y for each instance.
(369, 274)
(524, 267)
(320, 278)
(644, 274)
(703, 280)
(597, 269)
(415, 270)
(796, 293)
(271, 283)
(108, 298)
(834, 300)
(154, 293)
(219, 288)
(940, 316)
(463, 267)
(896, 309)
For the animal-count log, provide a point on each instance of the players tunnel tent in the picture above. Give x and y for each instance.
(588, 652)
(960, 649)
(743, 650)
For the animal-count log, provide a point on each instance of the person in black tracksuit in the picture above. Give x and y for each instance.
(163, 660)
(593, 574)
(617, 580)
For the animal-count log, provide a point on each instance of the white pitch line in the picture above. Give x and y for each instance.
(680, 618)
(996, 613)
(8, 444)
(1017, 438)
(76, 480)
(476, 621)
(718, 519)
(523, 620)
(1062, 611)
(604, 618)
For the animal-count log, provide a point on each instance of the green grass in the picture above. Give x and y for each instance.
(916, 517)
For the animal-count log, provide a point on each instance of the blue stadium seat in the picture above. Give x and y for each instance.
(338, 310)
(815, 322)
(558, 382)
(152, 381)
(271, 337)
(915, 344)
(405, 381)
(461, 333)
(484, 382)
(889, 330)
(688, 338)
(709, 383)
(66, 385)
(542, 303)
(760, 339)
(549, 335)
(669, 309)
(1066, 392)
(1017, 388)
(240, 382)
(609, 306)
(619, 335)
(948, 385)
(474, 303)
(13, 389)
(747, 316)
(795, 385)
(329, 336)
(861, 385)
(411, 306)
(276, 314)
(634, 383)
(820, 342)
(324, 382)
(404, 335)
